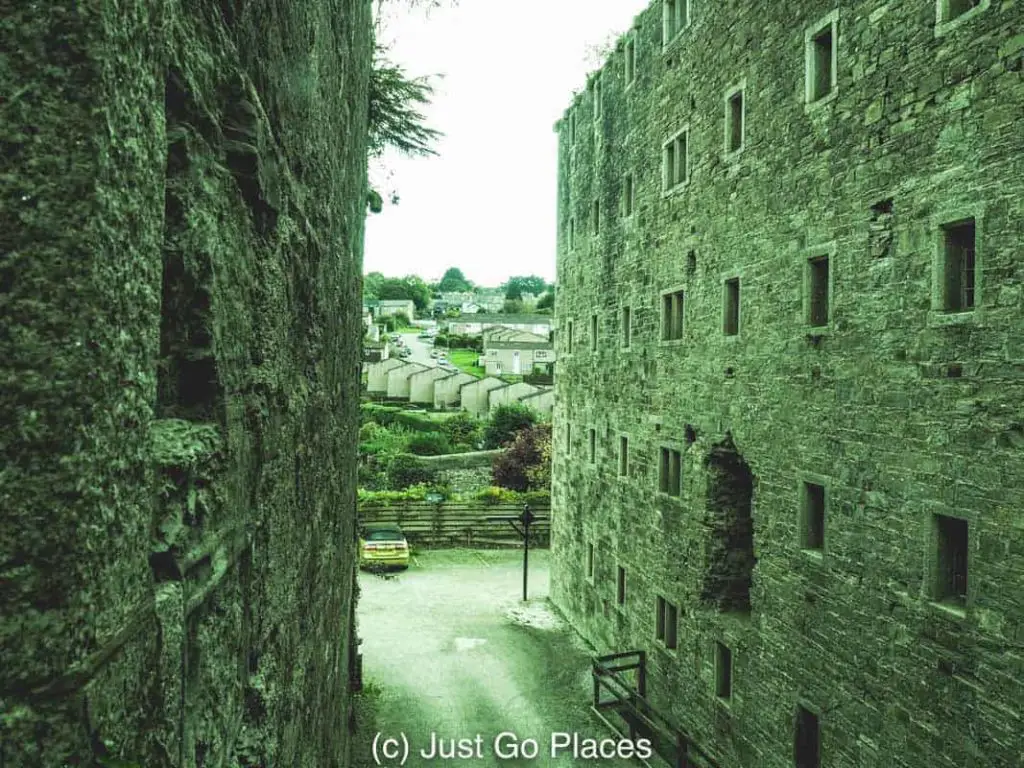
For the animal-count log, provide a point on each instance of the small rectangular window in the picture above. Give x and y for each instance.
(659, 626)
(572, 233)
(671, 625)
(951, 555)
(813, 517)
(958, 271)
(672, 305)
(819, 290)
(630, 61)
(731, 325)
(807, 739)
(627, 195)
(620, 587)
(593, 333)
(627, 327)
(568, 337)
(953, 9)
(675, 18)
(568, 439)
(592, 441)
(595, 217)
(623, 455)
(590, 561)
(676, 161)
(669, 472)
(723, 671)
(734, 122)
(821, 75)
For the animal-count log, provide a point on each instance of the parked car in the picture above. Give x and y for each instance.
(404, 352)
(434, 353)
(382, 545)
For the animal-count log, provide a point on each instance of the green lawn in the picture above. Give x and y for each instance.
(465, 360)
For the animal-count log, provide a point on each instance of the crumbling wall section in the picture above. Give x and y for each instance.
(181, 184)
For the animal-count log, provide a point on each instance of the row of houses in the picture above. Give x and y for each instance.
(434, 387)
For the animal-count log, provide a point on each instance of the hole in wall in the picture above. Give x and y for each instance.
(954, 371)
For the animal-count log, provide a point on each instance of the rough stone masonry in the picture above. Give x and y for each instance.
(789, 454)
(182, 193)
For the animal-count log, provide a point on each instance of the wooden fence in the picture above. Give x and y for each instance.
(453, 523)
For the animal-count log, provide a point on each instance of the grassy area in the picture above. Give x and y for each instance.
(409, 329)
(366, 704)
(465, 360)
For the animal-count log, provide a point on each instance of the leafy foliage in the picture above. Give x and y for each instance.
(463, 429)
(526, 464)
(505, 422)
(547, 301)
(395, 102)
(429, 444)
(405, 470)
(411, 287)
(453, 280)
(517, 286)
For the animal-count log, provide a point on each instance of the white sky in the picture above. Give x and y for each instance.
(486, 204)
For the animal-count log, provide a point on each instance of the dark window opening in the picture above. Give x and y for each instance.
(592, 437)
(819, 304)
(590, 561)
(734, 121)
(951, 582)
(593, 333)
(627, 327)
(623, 455)
(596, 217)
(731, 325)
(620, 586)
(627, 195)
(813, 517)
(669, 472)
(723, 671)
(959, 242)
(807, 739)
(672, 306)
(821, 64)
(953, 9)
(667, 622)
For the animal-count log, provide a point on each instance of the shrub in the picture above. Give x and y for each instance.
(494, 495)
(440, 340)
(463, 429)
(404, 470)
(526, 463)
(505, 422)
(429, 444)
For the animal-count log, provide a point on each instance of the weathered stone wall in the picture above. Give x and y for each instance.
(900, 411)
(181, 221)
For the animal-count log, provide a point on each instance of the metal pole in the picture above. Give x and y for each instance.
(526, 546)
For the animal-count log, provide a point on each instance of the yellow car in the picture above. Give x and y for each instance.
(383, 544)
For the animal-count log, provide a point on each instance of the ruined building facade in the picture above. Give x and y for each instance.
(181, 222)
(789, 456)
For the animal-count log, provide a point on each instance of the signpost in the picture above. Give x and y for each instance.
(525, 519)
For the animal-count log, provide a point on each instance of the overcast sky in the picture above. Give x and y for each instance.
(486, 204)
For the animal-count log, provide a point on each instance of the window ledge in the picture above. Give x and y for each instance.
(674, 40)
(943, 28)
(730, 338)
(938, 318)
(949, 609)
(676, 190)
(828, 98)
(819, 330)
(818, 555)
(670, 342)
(733, 155)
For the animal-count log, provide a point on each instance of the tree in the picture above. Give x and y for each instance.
(453, 281)
(512, 306)
(409, 287)
(394, 117)
(517, 286)
(371, 285)
(405, 470)
(526, 464)
(505, 422)
(547, 301)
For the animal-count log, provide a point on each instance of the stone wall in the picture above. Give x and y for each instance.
(905, 414)
(179, 393)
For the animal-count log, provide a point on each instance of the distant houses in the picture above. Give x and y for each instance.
(396, 379)
(476, 324)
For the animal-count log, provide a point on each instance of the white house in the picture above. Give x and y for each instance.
(389, 307)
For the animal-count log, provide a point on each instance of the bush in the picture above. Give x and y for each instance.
(404, 470)
(526, 463)
(505, 422)
(494, 495)
(429, 444)
(463, 429)
(440, 340)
